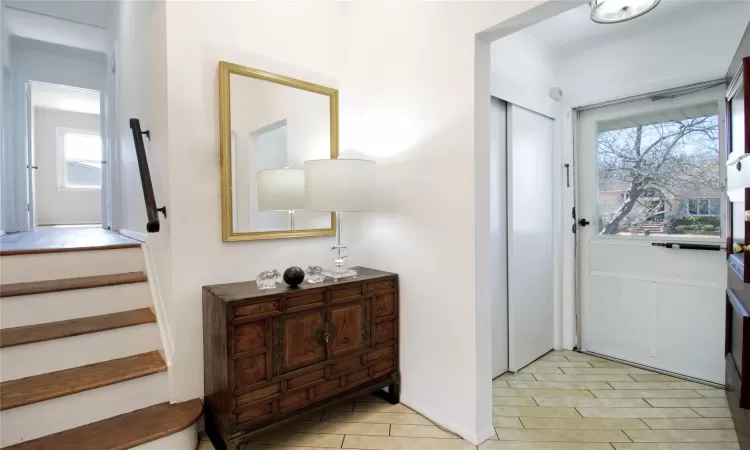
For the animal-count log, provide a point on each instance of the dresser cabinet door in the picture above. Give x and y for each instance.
(349, 324)
(299, 341)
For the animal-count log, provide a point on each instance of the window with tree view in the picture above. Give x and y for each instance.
(658, 174)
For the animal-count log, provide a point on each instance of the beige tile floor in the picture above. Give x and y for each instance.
(563, 401)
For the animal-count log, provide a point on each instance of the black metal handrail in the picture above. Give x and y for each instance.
(152, 226)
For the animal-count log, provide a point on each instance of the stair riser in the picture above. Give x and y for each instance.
(186, 439)
(55, 266)
(65, 305)
(52, 416)
(59, 354)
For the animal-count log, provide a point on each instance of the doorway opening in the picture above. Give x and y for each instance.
(65, 150)
(638, 188)
(653, 179)
(59, 100)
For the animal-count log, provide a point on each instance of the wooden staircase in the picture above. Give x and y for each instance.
(80, 362)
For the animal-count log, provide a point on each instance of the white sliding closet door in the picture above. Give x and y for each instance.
(498, 235)
(530, 241)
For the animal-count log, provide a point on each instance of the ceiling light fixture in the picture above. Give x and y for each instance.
(614, 11)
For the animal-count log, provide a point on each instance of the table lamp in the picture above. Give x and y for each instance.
(339, 185)
(281, 190)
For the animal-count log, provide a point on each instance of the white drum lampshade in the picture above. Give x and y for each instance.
(281, 189)
(340, 185)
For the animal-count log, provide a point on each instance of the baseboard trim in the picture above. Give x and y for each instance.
(474, 438)
(159, 310)
(141, 237)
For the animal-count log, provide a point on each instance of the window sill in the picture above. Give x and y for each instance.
(77, 189)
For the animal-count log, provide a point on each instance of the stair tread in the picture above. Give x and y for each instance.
(122, 432)
(15, 393)
(47, 331)
(67, 284)
(34, 251)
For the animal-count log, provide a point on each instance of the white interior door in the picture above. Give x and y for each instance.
(30, 160)
(650, 176)
(530, 241)
(109, 136)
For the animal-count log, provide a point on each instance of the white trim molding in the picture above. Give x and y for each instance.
(157, 303)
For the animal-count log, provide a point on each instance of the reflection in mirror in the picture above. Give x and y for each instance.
(275, 128)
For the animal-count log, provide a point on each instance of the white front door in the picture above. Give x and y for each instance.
(530, 242)
(650, 178)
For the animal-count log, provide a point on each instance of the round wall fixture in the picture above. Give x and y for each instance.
(614, 11)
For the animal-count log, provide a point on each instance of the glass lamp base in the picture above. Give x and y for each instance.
(339, 273)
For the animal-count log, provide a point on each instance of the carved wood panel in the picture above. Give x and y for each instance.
(250, 336)
(298, 343)
(250, 370)
(385, 304)
(350, 322)
(384, 332)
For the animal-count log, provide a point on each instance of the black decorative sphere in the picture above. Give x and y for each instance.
(293, 276)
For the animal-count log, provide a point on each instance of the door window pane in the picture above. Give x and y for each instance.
(658, 174)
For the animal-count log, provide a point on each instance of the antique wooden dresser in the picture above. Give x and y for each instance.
(272, 354)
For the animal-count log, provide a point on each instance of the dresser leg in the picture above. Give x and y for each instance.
(394, 392)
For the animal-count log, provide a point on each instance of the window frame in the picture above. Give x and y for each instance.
(62, 173)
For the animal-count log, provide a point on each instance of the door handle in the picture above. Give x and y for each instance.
(33, 167)
(583, 222)
(675, 245)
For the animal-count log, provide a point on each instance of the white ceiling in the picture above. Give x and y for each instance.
(573, 32)
(64, 98)
(89, 12)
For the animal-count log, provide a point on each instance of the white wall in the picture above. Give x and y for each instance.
(407, 102)
(49, 63)
(3, 56)
(523, 73)
(46, 28)
(55, 206)
(138, 40)
(678, 54)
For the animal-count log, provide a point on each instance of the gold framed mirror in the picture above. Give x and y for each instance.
(269, 125)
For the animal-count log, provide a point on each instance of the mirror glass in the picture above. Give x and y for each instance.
(274, 129)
